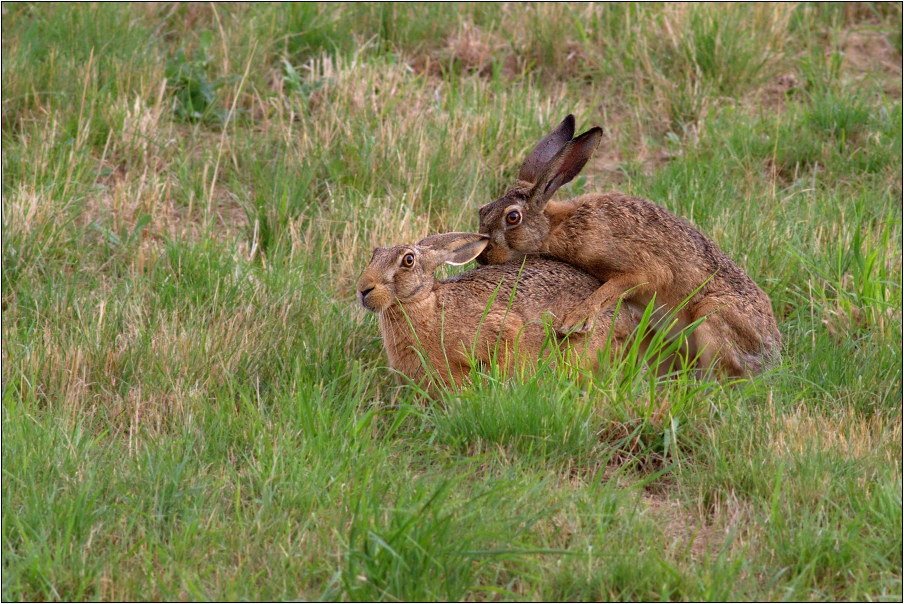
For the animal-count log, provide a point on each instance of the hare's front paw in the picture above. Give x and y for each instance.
(579, 320)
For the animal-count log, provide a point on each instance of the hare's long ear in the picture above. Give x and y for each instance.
(546, 149)
(567, 164)
(450, 248)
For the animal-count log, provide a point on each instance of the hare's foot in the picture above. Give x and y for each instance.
(579, 320)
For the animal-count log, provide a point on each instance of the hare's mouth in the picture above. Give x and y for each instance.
(374, 299)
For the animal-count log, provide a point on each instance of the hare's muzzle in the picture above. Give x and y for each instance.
(494, 254)
(366, 285)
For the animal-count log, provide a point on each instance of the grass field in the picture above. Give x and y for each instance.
(194, 406)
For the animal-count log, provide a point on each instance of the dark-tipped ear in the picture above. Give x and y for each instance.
(451, 248)
(567, 164)
(546, 149)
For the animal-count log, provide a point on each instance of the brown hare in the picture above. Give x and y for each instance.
(490, 314)
(637, 249)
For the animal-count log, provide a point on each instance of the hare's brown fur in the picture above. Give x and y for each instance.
(637, 249)
(449, 322)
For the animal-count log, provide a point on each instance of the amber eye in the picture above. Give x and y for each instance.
(513, 218)
(408, 260)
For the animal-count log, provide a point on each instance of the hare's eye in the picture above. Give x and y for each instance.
(408, 260)
(513, 218)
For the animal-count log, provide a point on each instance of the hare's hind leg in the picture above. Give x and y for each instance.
(716, 348)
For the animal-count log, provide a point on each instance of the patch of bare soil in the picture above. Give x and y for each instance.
(475, 51)
(774, 95)
(869, 51)
(685, 530)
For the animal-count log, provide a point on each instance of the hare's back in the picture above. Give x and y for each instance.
(539, 281)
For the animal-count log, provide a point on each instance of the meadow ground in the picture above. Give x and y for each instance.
(195, 407)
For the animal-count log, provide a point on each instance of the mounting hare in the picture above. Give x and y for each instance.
(474, 315)
(637, 249)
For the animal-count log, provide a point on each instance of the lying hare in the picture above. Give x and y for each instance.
(474, 315)
(637, 249)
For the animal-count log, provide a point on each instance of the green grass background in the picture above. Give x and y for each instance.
(194, 407)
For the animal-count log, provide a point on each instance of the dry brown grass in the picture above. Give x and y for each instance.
(844, 432)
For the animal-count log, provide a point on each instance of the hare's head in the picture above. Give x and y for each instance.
(518, 222)
(404, 273)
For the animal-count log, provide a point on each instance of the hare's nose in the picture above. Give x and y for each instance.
(366, 284)
(364, 291)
